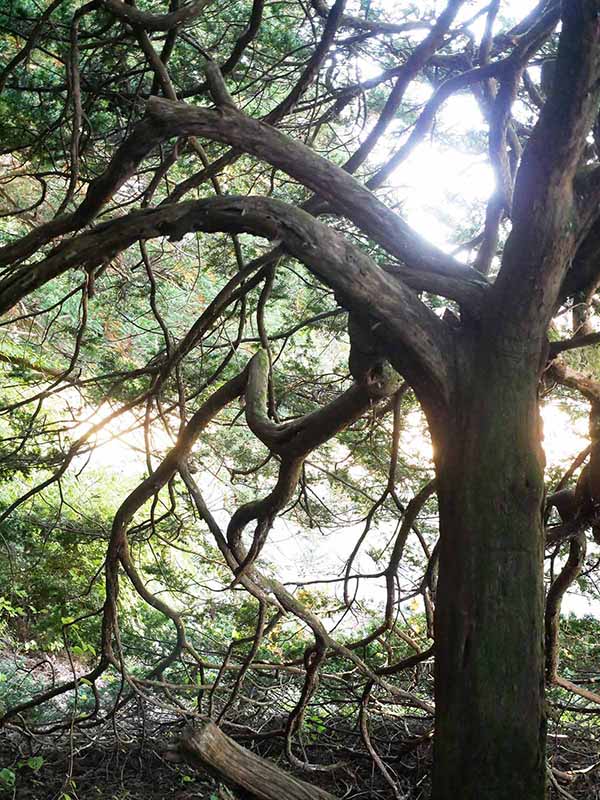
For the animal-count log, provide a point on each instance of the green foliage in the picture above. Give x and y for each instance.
(54, 545)
(7, 778)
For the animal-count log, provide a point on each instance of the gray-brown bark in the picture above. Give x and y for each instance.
(358, 281)
(490, 723)
(490, 732)
(345, 193)
(209, 748)
(156, 22)
(570, 571)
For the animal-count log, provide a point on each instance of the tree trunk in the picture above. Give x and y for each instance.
(490, 721)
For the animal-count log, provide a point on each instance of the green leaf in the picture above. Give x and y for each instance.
(7, 776)
(35, 762)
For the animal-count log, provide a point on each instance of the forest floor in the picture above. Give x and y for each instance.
(130, 757)
(131, 770)
(127, 771)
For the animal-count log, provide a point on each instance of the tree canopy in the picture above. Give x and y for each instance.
(283, 287)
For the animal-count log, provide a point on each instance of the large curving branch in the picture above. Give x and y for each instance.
(426, 267)
(568, 574)
(299, 436)
(343, 192)
(567, 376)
(418, 341)
(293, 441)
(156, 22)
(281, 598)
(547, 219)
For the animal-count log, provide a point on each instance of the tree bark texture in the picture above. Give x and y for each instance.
(490, 722)
(258, 778)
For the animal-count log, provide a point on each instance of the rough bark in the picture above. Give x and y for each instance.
(210, 748)
(156, 22)
(346, 195)
(490, 721)
(415, 336)
(490, 724)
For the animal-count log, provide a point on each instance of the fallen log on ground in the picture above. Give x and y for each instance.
(258, 778)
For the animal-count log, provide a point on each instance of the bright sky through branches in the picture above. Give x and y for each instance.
(443, 189)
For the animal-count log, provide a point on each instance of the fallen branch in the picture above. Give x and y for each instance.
(210, 748)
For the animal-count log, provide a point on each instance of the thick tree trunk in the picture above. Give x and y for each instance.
(490, 722)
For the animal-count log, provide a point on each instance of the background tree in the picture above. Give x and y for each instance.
(200, 201)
